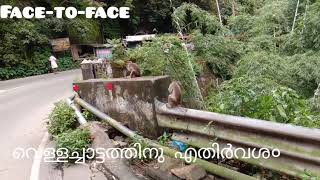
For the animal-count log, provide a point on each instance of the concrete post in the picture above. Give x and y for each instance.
(87, 71)
(131, 101)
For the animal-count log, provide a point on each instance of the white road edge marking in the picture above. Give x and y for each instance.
(35, 169)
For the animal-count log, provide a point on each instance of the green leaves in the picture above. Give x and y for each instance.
(166, 56)
(62, 119)
(300, 72)
(164, 139)
(261, 98)
(62, 126)
(219, 53)
(74, 141)
(190, 17)
(67, 63)
(82, 30)
(89, 116)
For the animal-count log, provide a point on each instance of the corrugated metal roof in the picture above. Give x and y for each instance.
(137, 38)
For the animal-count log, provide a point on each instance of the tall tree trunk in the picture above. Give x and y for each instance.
(199, 101)
(234, 11)
(305, 16)
(219, 14)
(295, 16)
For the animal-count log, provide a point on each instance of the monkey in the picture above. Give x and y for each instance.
(174, 98)
(134, 70)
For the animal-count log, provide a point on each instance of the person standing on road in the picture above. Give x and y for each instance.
(54, 64)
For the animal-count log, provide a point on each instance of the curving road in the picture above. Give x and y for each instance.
(24, 108)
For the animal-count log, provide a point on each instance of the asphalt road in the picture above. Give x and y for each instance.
(24, 108)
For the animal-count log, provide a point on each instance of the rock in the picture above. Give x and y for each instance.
(170, 163)
(157, 174)
(98, 176)
(114, 167)
(118, 138)
(211, 177)
(191, 172)
(120, 144)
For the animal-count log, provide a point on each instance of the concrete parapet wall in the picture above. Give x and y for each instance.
(130, 101)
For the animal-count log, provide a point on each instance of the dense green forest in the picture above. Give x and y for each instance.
(262, 56)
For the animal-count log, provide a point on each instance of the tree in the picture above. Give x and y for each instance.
(190, 17)
(219, 13)
(295, 16)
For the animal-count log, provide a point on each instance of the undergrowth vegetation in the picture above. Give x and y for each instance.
(265, 53)
(62, 119)
(63, 128)
(25, 48)
(66, 63)
(220, 54)
(269, 68)
(190, 17)
(37, 65)
(74, 141)
(299, 72)
(262, 98)
(167, 56)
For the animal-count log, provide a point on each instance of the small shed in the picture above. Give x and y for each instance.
(60, 44)
(91, 51)
(133, 41)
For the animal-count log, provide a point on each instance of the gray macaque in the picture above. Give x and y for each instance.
(174, 98)
(134, 70)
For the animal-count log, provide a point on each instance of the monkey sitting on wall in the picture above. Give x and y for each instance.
(174, 98)
(134, 70)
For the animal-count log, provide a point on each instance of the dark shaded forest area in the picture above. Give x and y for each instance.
(24, 44)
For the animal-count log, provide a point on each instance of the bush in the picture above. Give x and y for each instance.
(89, 116)
(262, 98)
(220, 54)
(306, 36)
(118, 50)
(264, 64)
(37, 65)
(304, 70)
(166, 55)
(241, 26)
(74, 141)
(300, 72)
(272, 19)
(190, 17)
(84, 31)
(62, 119)
(67, 63)
(263, 42)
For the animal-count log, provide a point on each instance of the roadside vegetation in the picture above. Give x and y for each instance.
(63, 127)
(263, 56)
(265, 68)
(257, 58)
(75, 141)
(62, 119)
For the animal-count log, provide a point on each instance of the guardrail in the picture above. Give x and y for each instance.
(210, 167)
(299, 147)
